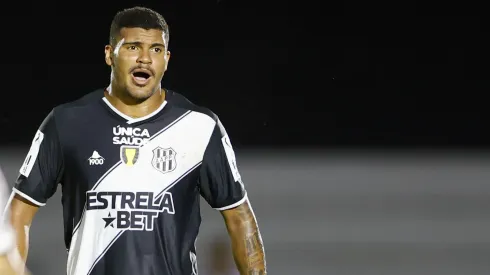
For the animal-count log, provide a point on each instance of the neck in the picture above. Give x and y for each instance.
(133, 107)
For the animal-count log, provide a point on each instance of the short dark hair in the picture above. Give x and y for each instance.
(138, 17)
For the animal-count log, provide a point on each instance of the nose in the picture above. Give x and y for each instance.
(144, 57)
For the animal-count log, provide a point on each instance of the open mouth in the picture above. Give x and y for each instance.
(141, 77)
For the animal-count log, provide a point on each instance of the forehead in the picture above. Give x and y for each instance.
(142, 35)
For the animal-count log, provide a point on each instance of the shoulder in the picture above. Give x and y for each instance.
(85, 103)
(70, 113)
(178, 100)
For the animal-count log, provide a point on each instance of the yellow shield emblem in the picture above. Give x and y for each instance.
(129, 155)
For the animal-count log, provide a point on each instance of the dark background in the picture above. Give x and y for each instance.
(278, 73)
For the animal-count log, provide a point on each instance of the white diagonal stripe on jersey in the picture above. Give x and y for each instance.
(97, 183)
(188, 138)
(120, 233)
(119, 162)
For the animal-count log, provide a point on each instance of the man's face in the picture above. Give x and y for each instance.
(139, 61)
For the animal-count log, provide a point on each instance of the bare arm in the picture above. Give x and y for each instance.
(22, 213)
(5, 266)
(246, 241)
(6, 244)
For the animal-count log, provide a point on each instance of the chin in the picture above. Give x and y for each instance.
(141, 92)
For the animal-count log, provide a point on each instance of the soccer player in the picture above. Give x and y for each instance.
(133, 160)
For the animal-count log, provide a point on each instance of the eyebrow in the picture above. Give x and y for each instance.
(140, 43)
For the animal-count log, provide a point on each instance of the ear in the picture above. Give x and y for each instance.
(108, 55)
(167, 59)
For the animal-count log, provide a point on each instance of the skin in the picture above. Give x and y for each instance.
(246, 240)
(5, 267)
(137, 48)
(9, 265)
(22, 214)
(140, 48)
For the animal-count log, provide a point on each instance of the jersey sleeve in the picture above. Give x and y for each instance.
(43, 166)
(220, 181)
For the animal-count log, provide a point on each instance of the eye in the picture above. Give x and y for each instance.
(158, 50)
(132, 47)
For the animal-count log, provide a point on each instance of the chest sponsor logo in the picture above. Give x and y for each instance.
(130, 210)
(130, 136)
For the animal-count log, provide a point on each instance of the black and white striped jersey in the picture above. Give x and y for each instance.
(131, 187)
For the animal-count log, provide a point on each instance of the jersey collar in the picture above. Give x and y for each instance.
(131, 120)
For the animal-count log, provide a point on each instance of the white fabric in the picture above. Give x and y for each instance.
(7, 235)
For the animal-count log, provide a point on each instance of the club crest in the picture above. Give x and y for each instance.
(164, 159)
